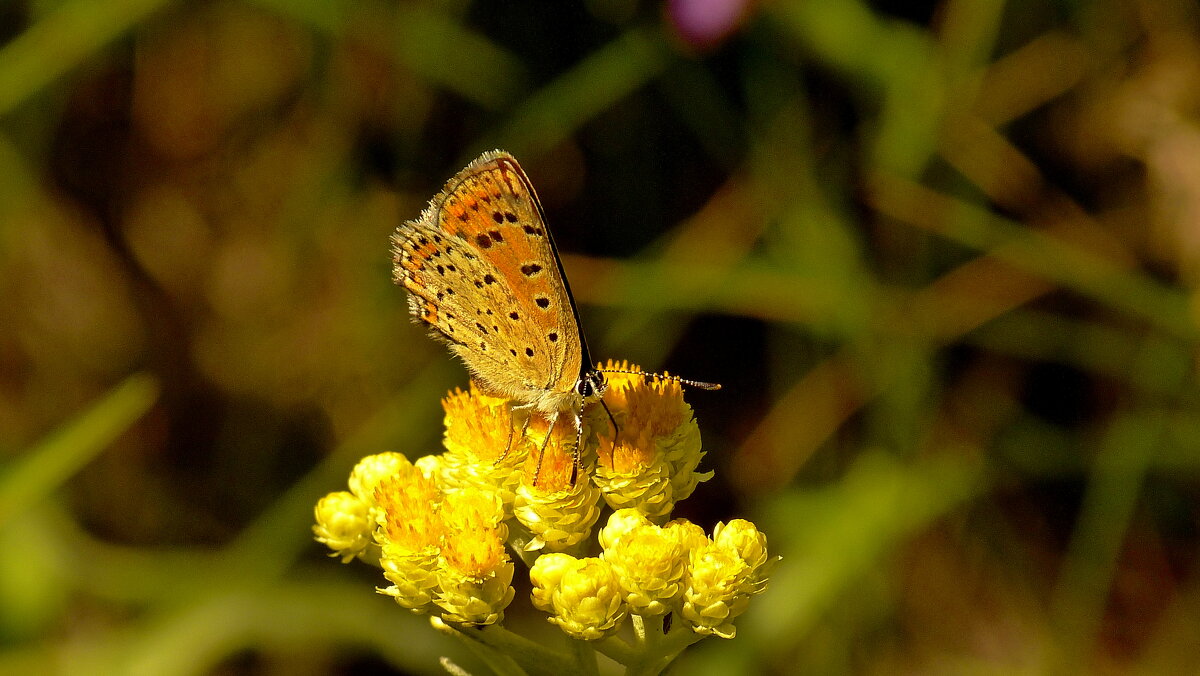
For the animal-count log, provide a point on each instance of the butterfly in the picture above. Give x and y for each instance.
(483, 273)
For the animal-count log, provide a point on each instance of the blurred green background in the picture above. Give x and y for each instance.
(942, 255)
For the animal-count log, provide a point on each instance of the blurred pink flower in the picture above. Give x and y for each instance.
(704, 23)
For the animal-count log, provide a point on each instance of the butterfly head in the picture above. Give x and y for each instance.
(591, 385)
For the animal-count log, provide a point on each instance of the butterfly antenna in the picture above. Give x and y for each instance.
(676, 379)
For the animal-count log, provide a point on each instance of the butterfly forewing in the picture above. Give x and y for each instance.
(482, 272)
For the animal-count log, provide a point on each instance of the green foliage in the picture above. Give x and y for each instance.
(944, 263)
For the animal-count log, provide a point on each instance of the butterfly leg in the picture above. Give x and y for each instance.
(611, 419)
(516, 411)
(576, 460)
(542, 451)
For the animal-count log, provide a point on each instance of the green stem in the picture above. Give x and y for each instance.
(452, 668)
(585, 657)
(660, 655)
(639, 631)
(617, 650)
(500, 663)
(652, 631)
(533, 657)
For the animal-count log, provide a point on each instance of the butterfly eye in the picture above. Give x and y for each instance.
(591, 385)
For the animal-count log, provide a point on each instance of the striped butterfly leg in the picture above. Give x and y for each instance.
(516, 411)
(537, 472)
(576, 457)
(526, 412)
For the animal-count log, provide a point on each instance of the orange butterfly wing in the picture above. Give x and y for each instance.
(483, 273)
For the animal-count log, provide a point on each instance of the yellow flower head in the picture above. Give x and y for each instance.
(372, 469)
(562, 506)
(651, 460)
(748, 543)
(620, 523)
(546, 575)
(408, 503)
(650, 563)
(474, 598)
(583, 595)
(472, 521)
(413, 574)
(477, 424)
(716, 591)
(650, 407)
(482, 447)
(554, 468)
(723, 574)
(410, 534)
(344, 524)
(474, 579)
(443, 548)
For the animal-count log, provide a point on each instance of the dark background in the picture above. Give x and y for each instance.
(942, 256)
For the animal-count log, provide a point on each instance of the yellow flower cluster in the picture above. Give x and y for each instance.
(648, 570)
(346, 519)
(440, 549)
(438, 527)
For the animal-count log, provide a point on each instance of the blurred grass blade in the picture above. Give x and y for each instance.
(464, 61)
(834, 537)
(901, 68)
(57, 458)
(1052, 257)
(63, 40)
(1118, 478)
(592, 86)
(438, 47)
(326, 16)
(18, 192)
